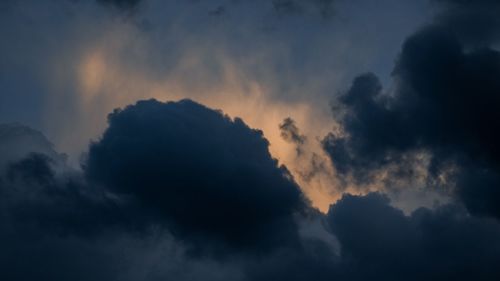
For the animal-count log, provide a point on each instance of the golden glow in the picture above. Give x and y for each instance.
(91, 74)
(105, 83)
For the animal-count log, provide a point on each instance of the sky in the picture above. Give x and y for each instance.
(249, 140)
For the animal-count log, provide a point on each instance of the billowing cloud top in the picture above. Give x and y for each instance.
(209, 176)
(403, 183)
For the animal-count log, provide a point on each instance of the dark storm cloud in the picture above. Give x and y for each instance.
(35, 167)
(318, 264)
(209, 177)
(475, 22)
(37, 194)
(42, 212)
(175, 167)
(192, 171)
(180, 167)
(380, 242)
(446, 102)
(38, 186)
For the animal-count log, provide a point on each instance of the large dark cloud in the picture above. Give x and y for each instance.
(169, 178)
(43, 209)
(225, 194)
(380, 242)
(162, 168)
(446, 103)
(38, 193)
(209, 177)
(475, 22)
(181, 168)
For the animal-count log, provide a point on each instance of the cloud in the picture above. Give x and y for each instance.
(17, 141)
(208, 176)
(178, 190)
(49, 221)
(311, 166)
(290, 133)
(475, 22)
(251, 62)
(381, 242)
(445, 105)
(195, 176)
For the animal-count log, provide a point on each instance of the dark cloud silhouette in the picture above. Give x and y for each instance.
(43, 211)
(318, 264)
(182, 168)
(166, 179)
(446, 103)
(475, 22)
(240, 201)
(35, 167)
(38, 187)
(381, 242)
(225, 194)
(209, 177)
(36, 193)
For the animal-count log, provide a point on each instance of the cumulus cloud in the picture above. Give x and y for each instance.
(178, 190)
(17, 141)
(174, 174)
(381, 242)
(445, 105)
(208, 176)
(475, 22)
